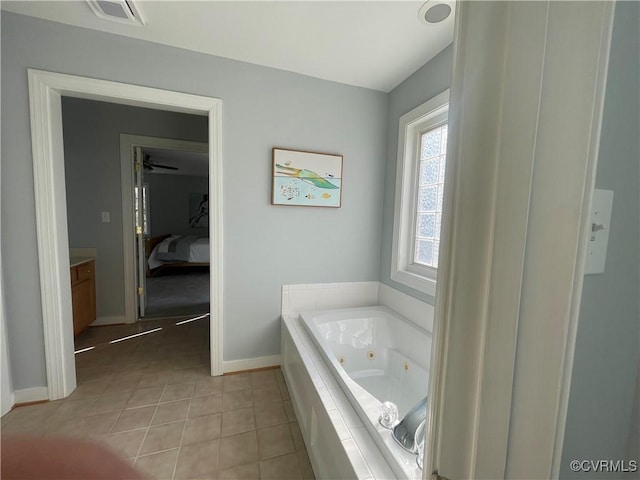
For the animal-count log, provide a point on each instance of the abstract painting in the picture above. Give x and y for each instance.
(306, 179)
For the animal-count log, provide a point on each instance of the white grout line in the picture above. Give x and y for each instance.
(149, 426)
(154, 453)
(184, 428)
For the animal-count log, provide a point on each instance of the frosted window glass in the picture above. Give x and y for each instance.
(426, 225)
(442, 164)
(433, 148)
(431, 143)
(427, 199)
(430, 171)
(424, 252)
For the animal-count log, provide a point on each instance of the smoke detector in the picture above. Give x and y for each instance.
(435, 11)
(121, 11)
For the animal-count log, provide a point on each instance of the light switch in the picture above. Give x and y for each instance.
(106, 217)
(599, 232)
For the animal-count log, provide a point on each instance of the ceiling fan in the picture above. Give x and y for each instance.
(148, 165)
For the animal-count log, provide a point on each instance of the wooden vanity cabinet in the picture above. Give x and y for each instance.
(83, 295)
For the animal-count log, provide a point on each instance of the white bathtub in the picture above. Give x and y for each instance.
(374, 355)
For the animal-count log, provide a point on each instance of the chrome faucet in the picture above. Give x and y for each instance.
(409, 431)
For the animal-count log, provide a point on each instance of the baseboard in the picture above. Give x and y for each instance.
(109, 320)
(251, 363)
(27, 395)
(11, 401)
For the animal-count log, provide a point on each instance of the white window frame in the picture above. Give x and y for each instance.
(411, 126)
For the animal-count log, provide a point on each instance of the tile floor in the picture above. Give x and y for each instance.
(151, 399)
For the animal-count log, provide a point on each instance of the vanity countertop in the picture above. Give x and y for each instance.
(75, 261)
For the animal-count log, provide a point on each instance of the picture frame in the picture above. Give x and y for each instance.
(198, 210)
(306, 179)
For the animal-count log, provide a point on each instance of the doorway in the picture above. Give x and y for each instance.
(171, 210)
(45, 92)
(176, 176)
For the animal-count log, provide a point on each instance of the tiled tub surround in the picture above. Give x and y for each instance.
(325, 296)
(343, 438)
(329, 296)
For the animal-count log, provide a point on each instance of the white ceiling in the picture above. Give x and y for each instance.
(368, 44)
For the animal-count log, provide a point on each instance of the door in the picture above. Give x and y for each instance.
(140, 209)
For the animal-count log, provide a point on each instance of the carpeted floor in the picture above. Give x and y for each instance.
(183, 291)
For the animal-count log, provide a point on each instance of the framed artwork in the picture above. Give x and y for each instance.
(306, 179)
(199, 210)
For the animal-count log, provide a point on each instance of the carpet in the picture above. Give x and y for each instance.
(183, 291)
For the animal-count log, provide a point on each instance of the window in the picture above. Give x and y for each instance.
(433, 151)
(422, 144)
(145, 208)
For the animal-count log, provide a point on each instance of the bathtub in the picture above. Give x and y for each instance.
(366, 356)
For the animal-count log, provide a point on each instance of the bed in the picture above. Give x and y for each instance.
(176, 251)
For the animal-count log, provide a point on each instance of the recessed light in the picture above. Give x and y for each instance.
(435, 11)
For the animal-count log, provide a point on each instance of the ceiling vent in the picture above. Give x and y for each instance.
(121, 11)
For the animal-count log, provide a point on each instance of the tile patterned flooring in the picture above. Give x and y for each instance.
(151, 400)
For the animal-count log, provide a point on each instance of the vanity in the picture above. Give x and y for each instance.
(83, 292)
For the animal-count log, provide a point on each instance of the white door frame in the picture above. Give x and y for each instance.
(45, 92)
(127, 143)
(7, 397)
(521, 165)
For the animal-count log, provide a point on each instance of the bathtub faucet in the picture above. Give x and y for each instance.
(409, 432)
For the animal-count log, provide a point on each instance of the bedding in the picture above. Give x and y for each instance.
(180, 249)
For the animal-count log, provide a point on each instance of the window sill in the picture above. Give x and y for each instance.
(415, 281)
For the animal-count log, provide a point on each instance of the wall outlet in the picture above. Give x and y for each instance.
(599, 232)
(106, 217)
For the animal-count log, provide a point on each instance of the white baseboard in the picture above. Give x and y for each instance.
(251, 363)
(27, 395)
(109, 320)
(6, 407)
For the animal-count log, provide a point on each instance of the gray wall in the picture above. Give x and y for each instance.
(92, 170)
(433, 78)
(169, 203)
(264, 246)
(605, 369)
